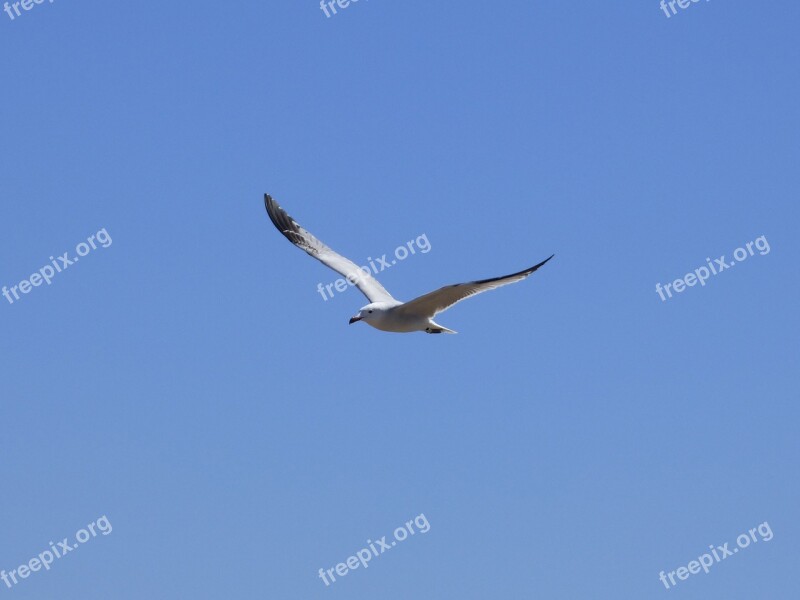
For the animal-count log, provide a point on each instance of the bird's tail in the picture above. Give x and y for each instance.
(436, 328)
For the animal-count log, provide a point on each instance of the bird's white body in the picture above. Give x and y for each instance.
(384, 312)
(387, 316)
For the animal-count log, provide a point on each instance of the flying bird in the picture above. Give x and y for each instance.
(383, 311)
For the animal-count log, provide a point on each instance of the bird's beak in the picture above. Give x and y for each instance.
(355, 320)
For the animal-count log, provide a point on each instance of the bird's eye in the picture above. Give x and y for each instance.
(370, 312)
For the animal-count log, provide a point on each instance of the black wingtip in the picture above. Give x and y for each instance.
(276, 214)
(525, 273)
(282, 221)
(532, 269)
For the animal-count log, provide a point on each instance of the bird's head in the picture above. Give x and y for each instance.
(367, 313)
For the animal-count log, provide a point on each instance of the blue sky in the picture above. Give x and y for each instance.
(578, 436)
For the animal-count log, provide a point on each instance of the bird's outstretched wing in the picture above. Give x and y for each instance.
(304, 240)
(433, 303)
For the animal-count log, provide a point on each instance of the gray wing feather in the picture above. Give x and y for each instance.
(304, 240)
(435, 302)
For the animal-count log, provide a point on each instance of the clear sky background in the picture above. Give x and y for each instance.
(576, 438)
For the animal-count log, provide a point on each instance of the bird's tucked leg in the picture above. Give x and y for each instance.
(434, 328)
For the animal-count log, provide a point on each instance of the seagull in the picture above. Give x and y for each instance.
(384, 312)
